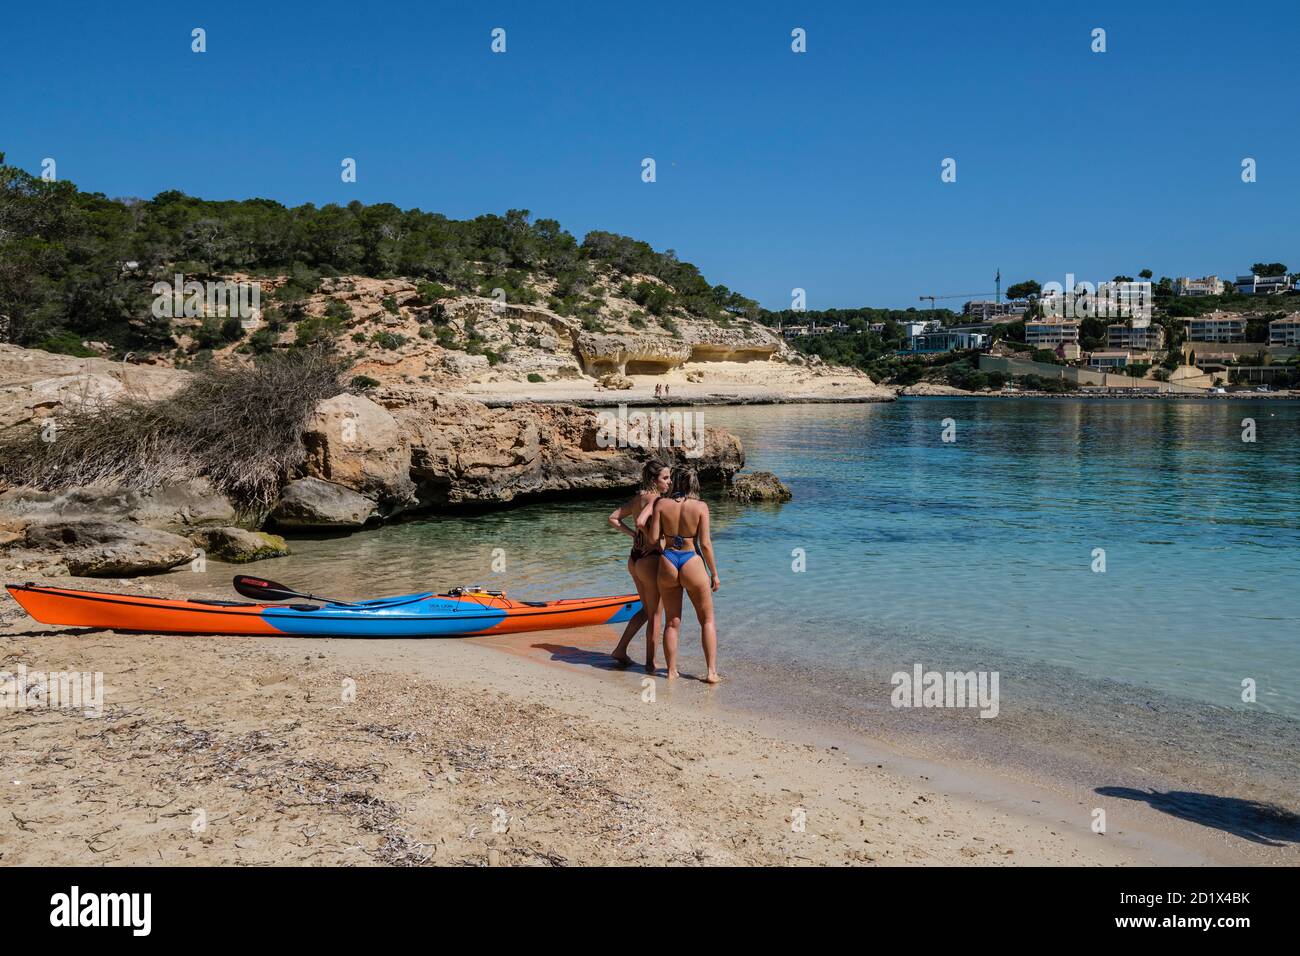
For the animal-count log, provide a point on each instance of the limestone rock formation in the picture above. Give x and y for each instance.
(630, 354)
(356, 443)
(310, 503)
(93, 548)
(758, 486)
(464, 453)
(36, 384)
(170, 507)
(238, 546)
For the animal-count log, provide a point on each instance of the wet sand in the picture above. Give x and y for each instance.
(495, 751)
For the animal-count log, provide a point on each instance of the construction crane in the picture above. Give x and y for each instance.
(997, 296)
(956, 295)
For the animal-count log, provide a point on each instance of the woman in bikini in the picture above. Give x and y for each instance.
(643, 562)
(679, 522)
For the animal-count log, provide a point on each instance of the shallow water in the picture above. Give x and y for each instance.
(979, 553)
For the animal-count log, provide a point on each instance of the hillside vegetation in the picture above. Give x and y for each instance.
(78, 266)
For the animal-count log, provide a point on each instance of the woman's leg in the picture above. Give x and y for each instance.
(694, 577)
(646, 572)
(670, 593)
(620, 652)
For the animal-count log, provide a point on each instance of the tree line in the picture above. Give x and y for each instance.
(78, 265)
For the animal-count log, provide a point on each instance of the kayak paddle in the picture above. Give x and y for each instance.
(263, 590)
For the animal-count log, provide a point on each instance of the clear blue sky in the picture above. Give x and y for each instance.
(775, 170)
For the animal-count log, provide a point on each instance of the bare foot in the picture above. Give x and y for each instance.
(673, 675)
(649, 667)
(713, 678)
(621, 658)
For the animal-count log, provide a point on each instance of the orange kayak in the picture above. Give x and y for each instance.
(461, 613)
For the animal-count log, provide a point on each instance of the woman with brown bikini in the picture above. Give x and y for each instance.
(643, 562)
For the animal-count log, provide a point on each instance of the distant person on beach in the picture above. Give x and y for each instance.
(659, 390)
(665, 392)
(643, 562)
(679, 525)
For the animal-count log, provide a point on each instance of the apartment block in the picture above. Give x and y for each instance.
(1285, 331)
(1216, 327)
(1150, 338)
(1049, 333)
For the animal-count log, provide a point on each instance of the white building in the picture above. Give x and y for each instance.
(1049, 333)
(1216, 327)
(946, 340)
(914, 328)
(1263, 285)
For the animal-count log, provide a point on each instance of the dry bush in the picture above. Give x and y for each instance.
(239, 426)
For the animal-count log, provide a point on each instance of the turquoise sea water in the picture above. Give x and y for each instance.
(975, 553)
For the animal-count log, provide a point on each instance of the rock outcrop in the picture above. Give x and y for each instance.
(758, 486)
(933, 389)
(630, 354)
(615, 381)
(353, 442)
(310, 504)
(170, 507)
(36, 384)
(463, 453)
(410, 447)
(238, 546)
(750, 343)
(107, 548)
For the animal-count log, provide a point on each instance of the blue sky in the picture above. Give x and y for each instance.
(775, 170)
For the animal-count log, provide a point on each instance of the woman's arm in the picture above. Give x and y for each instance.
(705, 541)
(655, 531)
(643, 519)
(616, 517)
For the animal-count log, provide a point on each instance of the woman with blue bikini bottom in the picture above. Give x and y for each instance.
(679, 522)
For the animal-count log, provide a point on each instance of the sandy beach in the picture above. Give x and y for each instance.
(489, 751)
(722, 383)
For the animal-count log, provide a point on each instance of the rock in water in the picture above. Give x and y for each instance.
(759, 486)
(109, 549)
(463, 453)
(239, 546)
(312, 503)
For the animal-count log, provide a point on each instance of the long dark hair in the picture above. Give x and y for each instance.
(686, 484)
(650, 473)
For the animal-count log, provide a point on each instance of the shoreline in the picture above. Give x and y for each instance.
(643, 397)
(253, 731)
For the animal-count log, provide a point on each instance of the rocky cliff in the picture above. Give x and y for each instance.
(398, 332)
(410, 449)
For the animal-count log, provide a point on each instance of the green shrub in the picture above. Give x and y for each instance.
(64, 343)
(535, 378)
(338, 309)
(364, 382)
(431, 292)
(315, 330)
